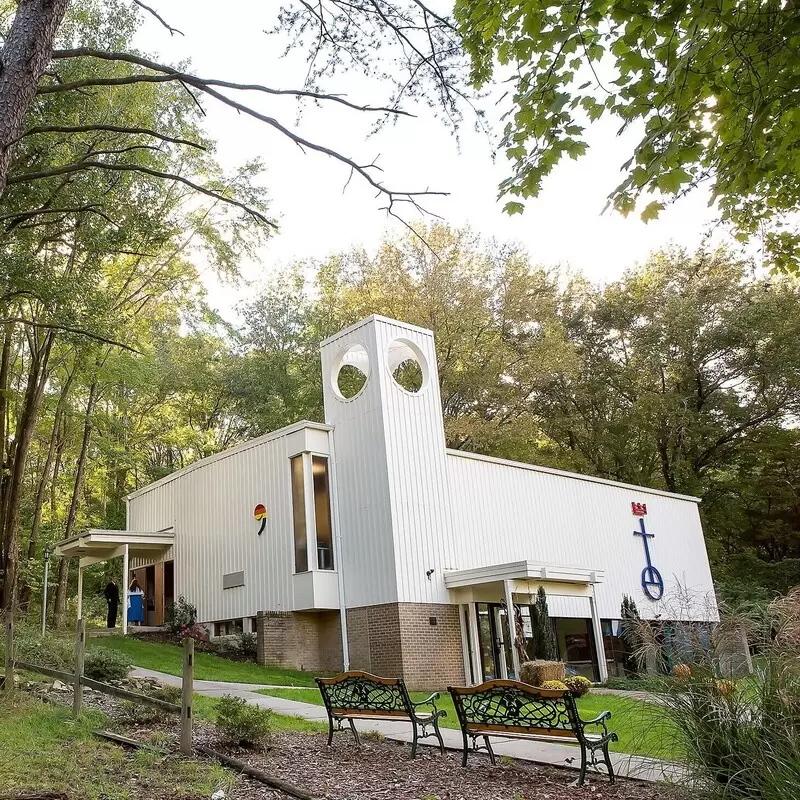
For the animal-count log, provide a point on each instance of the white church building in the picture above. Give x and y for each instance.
(366, 543)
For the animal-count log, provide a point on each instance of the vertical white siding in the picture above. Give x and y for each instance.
(210, 505)
(362, 481)
(504, 513)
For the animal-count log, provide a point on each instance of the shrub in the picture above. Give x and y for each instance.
(556, 686)
(241, 723)
(248, 645)
(196, 632)
(578, 685)
(181, 615)
(537, 672)
(102, 664)
(55, 649)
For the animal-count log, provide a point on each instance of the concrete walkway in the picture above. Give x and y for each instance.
(559, 755)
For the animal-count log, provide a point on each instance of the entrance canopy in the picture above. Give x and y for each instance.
(522, 571)
(96, 545)
(517, 582)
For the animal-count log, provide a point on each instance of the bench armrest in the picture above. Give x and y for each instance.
(598, 720)
(431, 701)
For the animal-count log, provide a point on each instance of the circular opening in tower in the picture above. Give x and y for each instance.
(407, 366)
(351, 372)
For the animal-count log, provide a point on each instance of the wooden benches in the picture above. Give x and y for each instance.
(515, 710)
(359, 695)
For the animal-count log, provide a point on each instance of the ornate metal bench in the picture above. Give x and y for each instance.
(515, 710)
(359, 695)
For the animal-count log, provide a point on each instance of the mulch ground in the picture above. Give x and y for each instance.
(380, 769)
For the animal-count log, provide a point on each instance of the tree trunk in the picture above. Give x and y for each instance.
(25, 594)
(63, 567)
(34, 391)
(23, 58)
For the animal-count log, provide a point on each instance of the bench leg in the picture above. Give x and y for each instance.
(582, 773)
(415, 739)
(466, 749)
(489, 748)
(355, 732)
(330, 730)
(438, 736)
(607, 758)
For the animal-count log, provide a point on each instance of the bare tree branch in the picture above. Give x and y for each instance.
(110, 129)
(171, 74)
(154, 13)
(207, 87)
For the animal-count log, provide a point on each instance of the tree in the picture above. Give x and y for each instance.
(544, 642)
(713, 90)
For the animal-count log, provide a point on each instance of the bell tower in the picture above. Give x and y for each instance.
(391, 470)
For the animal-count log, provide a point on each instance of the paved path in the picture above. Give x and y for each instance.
(559, 755)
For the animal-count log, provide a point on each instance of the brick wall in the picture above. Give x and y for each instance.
(433, 657)
(311, 641)
(373, 634)
(398, 639)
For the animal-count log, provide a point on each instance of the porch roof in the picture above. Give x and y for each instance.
(522, 571)
(96, 545)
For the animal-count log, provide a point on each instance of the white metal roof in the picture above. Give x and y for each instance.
(231, 451)
(520, 571)
(106, 544)
(578, 476)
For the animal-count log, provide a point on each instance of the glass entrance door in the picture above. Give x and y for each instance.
(495, 641)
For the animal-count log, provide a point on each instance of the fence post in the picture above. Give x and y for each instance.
(8, 684)
(187, 695)
(80, 643)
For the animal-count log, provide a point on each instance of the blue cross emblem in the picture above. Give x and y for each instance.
(652, 582)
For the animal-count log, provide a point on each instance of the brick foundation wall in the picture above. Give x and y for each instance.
(433, 657)
(398, 639)
(311, 641)
(373, 634)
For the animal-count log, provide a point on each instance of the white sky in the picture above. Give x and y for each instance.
(563, 227)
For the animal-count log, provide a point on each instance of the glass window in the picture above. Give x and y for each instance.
(322, 512)
(299, 514)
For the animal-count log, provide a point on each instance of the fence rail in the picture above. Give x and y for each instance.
(78, 680)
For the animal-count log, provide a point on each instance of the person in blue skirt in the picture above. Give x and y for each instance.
(135, 603)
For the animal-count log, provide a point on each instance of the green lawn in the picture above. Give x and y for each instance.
(639, 725)
(208, 667)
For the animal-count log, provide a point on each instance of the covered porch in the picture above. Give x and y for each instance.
(96, 545)
(514, 585)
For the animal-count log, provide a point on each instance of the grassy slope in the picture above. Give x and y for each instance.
(42, 747)
(169, 658)
(640, 727)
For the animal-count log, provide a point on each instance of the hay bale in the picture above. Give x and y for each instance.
(536, 673)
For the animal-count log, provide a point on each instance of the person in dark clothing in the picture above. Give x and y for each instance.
(112, 598)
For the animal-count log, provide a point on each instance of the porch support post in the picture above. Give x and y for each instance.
(512, 627)
(602, 666)
(474, 640)
(80, 591)
(463, 619)
(125, 571)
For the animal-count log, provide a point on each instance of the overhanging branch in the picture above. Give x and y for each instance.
(82, 166)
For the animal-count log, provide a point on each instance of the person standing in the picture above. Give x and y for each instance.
(112, 598)
(135, 603)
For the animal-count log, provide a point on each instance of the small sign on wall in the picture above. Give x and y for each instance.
(260, 515)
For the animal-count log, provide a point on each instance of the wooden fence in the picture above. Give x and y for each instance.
(78, 681)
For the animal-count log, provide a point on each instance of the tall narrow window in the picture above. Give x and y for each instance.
(299, 509)
(322, 512)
